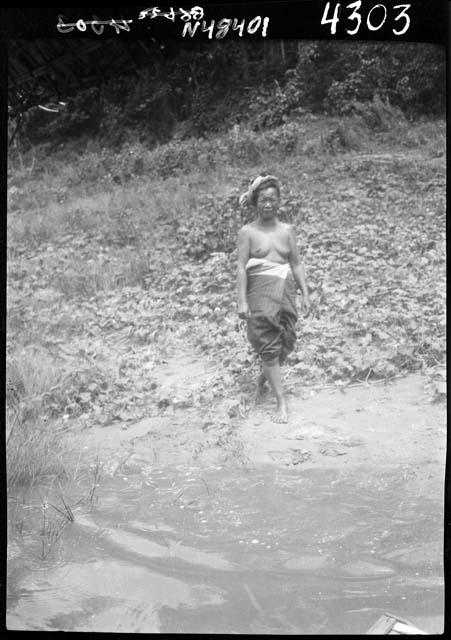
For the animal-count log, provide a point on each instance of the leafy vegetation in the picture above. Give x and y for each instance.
(117, 260)
(210, 87)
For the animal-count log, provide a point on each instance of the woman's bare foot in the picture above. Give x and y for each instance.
(281, 414)
(262, 389)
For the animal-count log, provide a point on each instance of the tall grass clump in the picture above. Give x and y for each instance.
(33, 442)
(34, 451)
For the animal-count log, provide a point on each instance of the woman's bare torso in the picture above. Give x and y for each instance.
(271, 244)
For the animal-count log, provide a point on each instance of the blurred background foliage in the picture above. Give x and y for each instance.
(171, 92)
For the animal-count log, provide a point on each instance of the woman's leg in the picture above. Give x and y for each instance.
(262, 388)
(271, 370)
(265, 336)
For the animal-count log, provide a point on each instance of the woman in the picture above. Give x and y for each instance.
(269, 266)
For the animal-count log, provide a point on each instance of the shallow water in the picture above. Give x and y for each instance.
(223, 550)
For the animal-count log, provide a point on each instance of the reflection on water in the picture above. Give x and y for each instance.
(219, 550)
(92, 596)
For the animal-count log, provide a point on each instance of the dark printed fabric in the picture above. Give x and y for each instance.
(271, 292)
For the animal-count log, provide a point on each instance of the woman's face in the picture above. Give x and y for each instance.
(267, 203)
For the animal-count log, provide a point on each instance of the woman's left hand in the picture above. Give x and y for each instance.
(306, 306)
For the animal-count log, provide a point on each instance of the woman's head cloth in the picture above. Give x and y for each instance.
(250, 196)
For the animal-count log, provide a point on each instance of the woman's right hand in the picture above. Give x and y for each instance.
(243, 311)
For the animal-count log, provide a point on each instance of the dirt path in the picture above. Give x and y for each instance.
(375, 426)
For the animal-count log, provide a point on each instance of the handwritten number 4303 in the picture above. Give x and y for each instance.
(375, 19)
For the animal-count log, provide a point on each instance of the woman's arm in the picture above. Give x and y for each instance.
(297, 267)
(243, 257)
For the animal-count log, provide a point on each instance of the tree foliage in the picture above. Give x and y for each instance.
(209, 87)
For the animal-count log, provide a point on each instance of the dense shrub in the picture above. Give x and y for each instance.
(408, 75)
(211, 87)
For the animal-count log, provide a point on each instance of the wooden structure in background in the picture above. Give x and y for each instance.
(53, 69)
(390, 625)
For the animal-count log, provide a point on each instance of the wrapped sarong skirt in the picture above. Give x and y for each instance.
(271, 292)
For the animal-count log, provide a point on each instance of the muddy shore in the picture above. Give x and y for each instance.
(373, 426)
